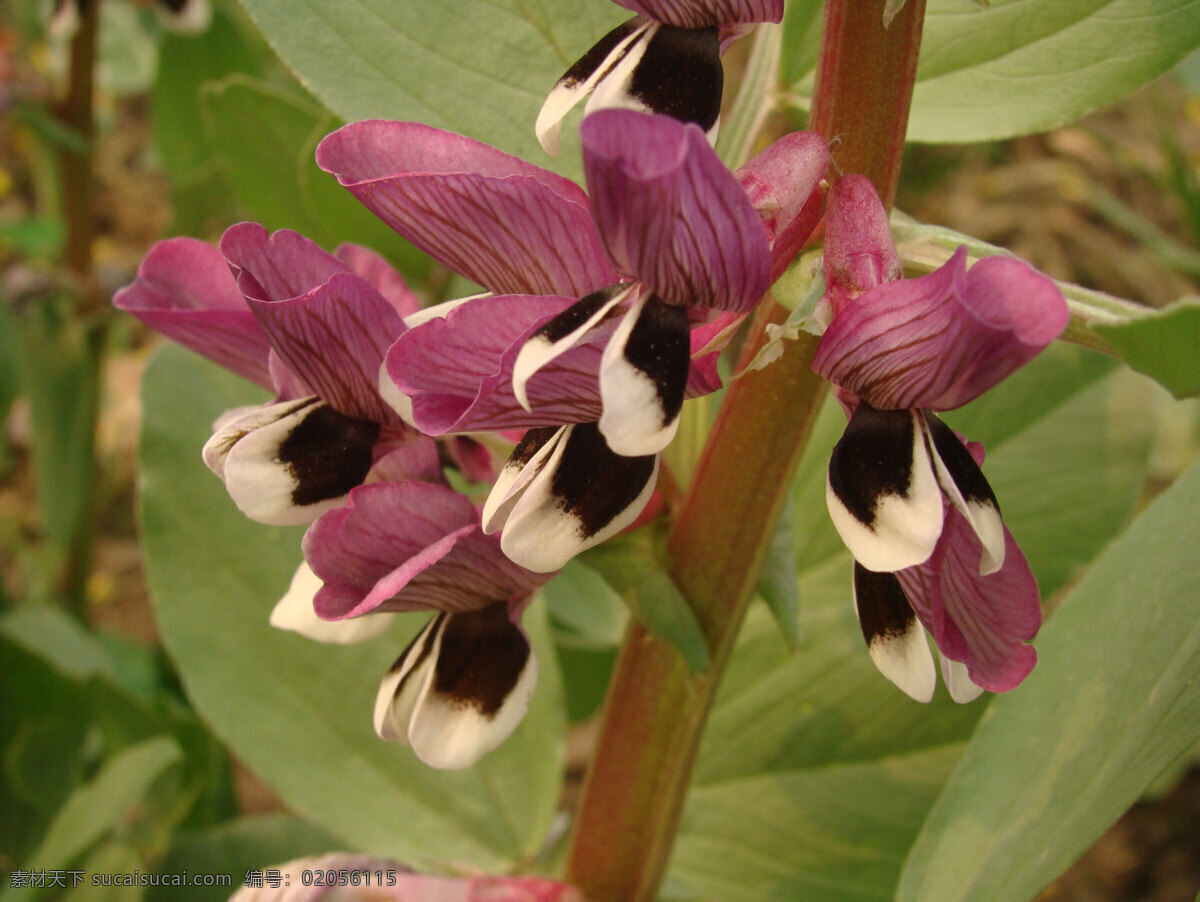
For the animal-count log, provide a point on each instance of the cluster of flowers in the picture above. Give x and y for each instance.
(603, 311)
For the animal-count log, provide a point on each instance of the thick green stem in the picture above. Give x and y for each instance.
(656, 709)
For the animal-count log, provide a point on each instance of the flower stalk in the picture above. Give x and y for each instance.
(656, 709)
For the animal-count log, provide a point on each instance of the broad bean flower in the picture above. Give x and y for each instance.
(389, 534)
(665, 60)
(605, 315)
(905, 492)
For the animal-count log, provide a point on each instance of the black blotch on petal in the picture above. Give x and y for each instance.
(594, 58)
(958, 460)
(328, 454)
(680, 75)
(576, 315)
(659, 346)
(481, 658)
(419, 648)
(531, 442)
(873, 459)
(175, 6)
(883, 609)
(593, 484)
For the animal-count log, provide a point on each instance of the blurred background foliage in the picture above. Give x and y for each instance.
(135, 738)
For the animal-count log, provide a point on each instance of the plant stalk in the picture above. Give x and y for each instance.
(656, 709)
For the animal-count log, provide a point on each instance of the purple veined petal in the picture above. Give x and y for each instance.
(381, 275)
(671, 214)
(943, 339)
(402, 454)
(982, 621)
(456, 372)
(643, 377)
(859, 251)
(895, 637)
(184, 290)
(782, 183)
(508, 225)
(287, 462)
(882, 493)
(473, 459)
(699, 13)
(460, 689)
(275, 266)
(581, 494)
(332, 330)
(402, 546)
(294, 612)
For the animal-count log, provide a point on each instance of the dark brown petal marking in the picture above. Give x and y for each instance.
(958, 460)
(594, 58)
(531, 442)
(680, 75)
(659, 347)
(422, 644)
(576, 315)
(883, 609)
(873, 459)
(481, 658)
(327, 454)
(593, 484)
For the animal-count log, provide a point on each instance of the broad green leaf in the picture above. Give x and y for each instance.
(480, 69)
(251, 843)
(1114, 699)
(298, 713)
(631, 566)
(97, 807)
(265, 138)
(836, 833)
(1022, 66)
(1163, 344)
(584, 609)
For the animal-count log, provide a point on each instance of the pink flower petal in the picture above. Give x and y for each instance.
(982, 621)
(671, 214)
(506, 224)
(328, 325)
(859, 251)
(943, 339)
(184, 290)
(402, 546)
(381, 275)
(701, 13)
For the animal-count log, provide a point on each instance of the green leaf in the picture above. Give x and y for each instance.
(802, 21)
(1163, 344)
(480, 69)
(97, 807)
(1114, 699)
(298, 713)
(831, 834)
(1023, 66)
(59, 362)
(265, 138)
(632, 567)
(586, 611)
(252, 843)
